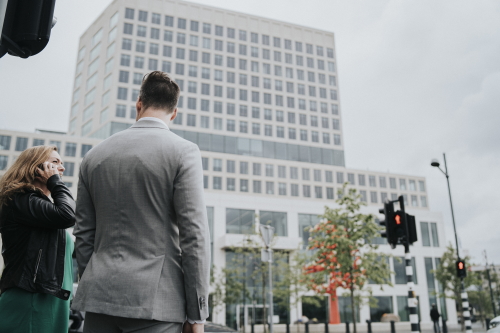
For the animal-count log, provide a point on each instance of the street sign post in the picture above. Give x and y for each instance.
(267, 233)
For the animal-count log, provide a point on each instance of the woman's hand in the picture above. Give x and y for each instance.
(48, 171)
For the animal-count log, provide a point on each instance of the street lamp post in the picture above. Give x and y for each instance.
(463, 294)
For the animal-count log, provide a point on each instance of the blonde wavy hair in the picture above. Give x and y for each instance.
(21, 175)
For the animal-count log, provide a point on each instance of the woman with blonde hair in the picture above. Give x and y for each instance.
(37, 279)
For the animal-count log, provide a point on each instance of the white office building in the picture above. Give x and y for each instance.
(261, 99)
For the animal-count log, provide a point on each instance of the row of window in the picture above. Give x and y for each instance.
(305, 191)
(256, 128)
(230, 32)
(243, 95)
(68, 166)
(218, 45)
(243, 64)
(270, 170)
(263, 148)
(22, 144)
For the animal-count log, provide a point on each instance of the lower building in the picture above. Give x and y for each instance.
(291, 195)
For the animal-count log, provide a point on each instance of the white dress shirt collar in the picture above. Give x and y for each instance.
(153, 119)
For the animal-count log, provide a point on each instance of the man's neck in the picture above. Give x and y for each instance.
(160, 114)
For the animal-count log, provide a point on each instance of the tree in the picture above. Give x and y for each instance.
(344, 255)
(246, 273)
(293, 282)
(446, 274)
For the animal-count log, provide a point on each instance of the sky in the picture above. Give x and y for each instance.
(416, 79)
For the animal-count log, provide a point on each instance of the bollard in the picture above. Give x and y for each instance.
(253, 328)
(346, 327)
(326, 327)
(445, 328)
(488, 320)
(393, 326)
(369, 325)
(287, 328)
(307, 327)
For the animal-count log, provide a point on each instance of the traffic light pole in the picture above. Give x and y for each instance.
(463, 293)
(412, 298)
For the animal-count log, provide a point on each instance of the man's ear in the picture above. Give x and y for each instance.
(138, 108)
(174, 114)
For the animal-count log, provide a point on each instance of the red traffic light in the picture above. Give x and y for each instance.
(461, 271)
(460, 265)
(398, 219)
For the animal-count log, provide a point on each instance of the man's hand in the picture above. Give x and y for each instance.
(193, 328)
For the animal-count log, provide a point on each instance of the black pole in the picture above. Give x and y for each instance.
(463, 293)
(326, 327)
(369, 325)
(393, 327)
(307, 327)
(346, 327)
(445, 328)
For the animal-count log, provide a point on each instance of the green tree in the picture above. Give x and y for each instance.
(446, 274)
(344, 254)
(293, 282)
(246, 274)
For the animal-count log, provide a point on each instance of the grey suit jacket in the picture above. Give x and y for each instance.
(142, 238)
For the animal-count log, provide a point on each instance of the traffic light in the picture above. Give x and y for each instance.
(461, 270)
(26, 26)
(412, 228)
(388, 211)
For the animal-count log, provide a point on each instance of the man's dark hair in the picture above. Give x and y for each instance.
(159, 91)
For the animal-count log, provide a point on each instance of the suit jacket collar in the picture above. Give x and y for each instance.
(146, 123)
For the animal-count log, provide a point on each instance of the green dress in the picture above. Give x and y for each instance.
(24, 312)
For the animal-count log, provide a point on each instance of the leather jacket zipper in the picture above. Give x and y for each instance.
(37, 264)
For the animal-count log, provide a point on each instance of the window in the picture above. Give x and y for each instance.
(230, 125)
(180, 53)
(21, 143)
(423, 201)
(382, 182)
(128, 28)
(218, 123)
(122, 93)
(392, 182)
(373, 197)
(372, 181)
(121, 111)
(306, 191)
(126, 44)
(141, 31)
(156, 18)
(70, 150)
(3, 162)
(204, 122)
(129, 13)
(280, 131)
(204, 163)
(166, 66)
(402, 184)
(205, 181)
(399, 265)
(257, 186)
(207, 27)
(256, 167)
(363, 196)
(317, 175)
(181, 23)
(294, 189)
(255, 128)
(268, 130)
(329, 176)
(191, 120)
(155, 33)
(244, 168)
(340, 177)
(38, 142)
(277, 220)
(305, 174)
(424, 230)
(318, 192)
(413, 186)
(292, 133)
(265, 39)
(152, 64)
(239, 221)
(168, 36)
(5, 142)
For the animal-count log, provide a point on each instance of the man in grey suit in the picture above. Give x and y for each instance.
(142, 239)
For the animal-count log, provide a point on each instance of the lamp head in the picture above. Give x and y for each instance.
(435, 163)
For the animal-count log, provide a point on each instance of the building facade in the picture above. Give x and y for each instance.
(260, 98)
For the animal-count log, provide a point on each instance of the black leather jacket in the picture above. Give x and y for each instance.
(34, 239)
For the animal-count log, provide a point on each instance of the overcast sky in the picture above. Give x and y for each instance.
(416, 79)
